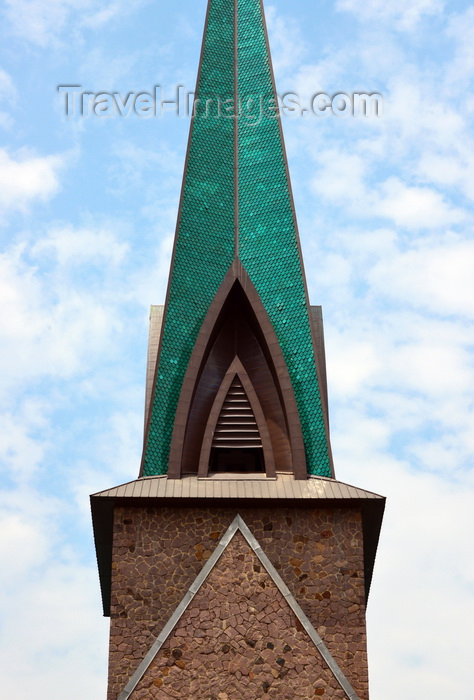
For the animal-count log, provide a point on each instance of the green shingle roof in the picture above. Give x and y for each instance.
(236, 201)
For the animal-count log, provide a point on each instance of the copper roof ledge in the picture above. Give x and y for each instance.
(229, 489)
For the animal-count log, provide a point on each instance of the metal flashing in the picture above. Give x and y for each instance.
(280, 488)
(154, 333)
(238, 524)
(228, 489)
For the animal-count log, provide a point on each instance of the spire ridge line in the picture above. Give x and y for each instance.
(236, 130)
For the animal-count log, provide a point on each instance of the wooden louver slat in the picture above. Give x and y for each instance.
(236, 426)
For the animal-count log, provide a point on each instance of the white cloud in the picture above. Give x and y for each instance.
(44, 636)
(8, 95)
(79, 246)
(21, 452)
(57, 328)
(405, 15)
(340, 177)
(45, 22)
(103, 71)
(97, 18)
(103, 13)
(118, 451)
(41, 21)
(25, 177)
(444, 170)
(436, 276)
(324, 76)
(422, 580)
(135, 164)
(286, 43)
(55, 320)
(7, 87)
(409, 164)
(421, 114)
(22, 547)
(415, 207)
(47, 640)
(461, 70)
(343, 178)
(352, 363)
(436, 369)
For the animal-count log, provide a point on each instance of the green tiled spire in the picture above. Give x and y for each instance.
(236, 179)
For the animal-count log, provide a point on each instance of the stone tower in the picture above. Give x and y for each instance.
(236, 565)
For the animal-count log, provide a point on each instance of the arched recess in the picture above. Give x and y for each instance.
(248, 438)
(237, 325)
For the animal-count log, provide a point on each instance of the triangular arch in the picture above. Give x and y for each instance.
(237, 324)
(244, 430)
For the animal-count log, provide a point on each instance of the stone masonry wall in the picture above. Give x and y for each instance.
(157, 554)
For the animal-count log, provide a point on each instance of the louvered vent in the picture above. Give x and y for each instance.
(236, 427)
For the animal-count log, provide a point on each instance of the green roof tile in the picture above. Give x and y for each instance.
(268, 245)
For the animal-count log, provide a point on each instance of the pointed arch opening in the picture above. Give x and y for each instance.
(236, 438)
(237, 340)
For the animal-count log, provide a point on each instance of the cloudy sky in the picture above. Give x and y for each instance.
(87, 213)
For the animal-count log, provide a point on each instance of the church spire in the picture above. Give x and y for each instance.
(236, 269)
(239, 410)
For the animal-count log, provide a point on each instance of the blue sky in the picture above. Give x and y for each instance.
(87, 215)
